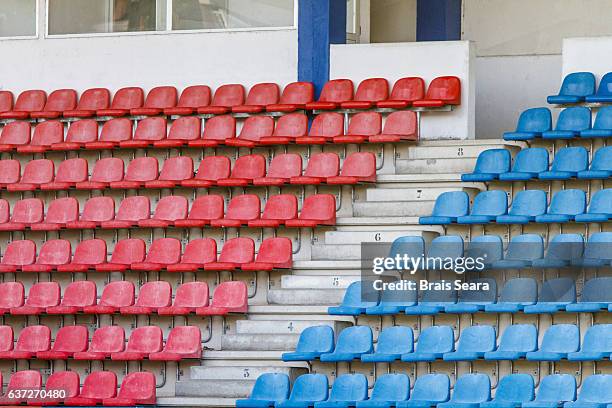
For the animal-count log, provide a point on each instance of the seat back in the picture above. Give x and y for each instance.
(71, 339)
(359, 164)
(598, 338)
(451, 204)
(493, 161)
(395, 340)
(568, 202)
(191, 294)
(117, 294)
(263, 94)
(408, 89)
(80, 294)
(285, 165)
(598, 246)
(446, 246)
(244, 207)
(576, 118)
(472, 388)
(327, 124)
(281, 207)
(48, 133)
(578, 84)
(6, 101)
(323, 165)
(10, 171)
(519, 338)
(128, 98)
(249, 167)
(185, 340)
(365, 124)
(142, 169)
(155, 294)
(602, 159)
(534, 120)
(349, 387)
(171, 208)
(34, 339)
(372, 90)
(207, 207)
(515, 388)
(25, 380)
(108, 339)
(297, 93)
(557, 388)
(525, 247)
(531, 160)
(446, 89)
(161, 97)
(337, 91)
(108, 170)
(12, 294)
(411, 246)
(145, 339)
(90, 252)
(220, 128)
(529, 203)
(165, 251)
(94, 99)
(139, 387)
(489, 248)
(352, 297)
(72, 171)
(186, 128)
(601, 202)
(436, 339)
(6, 338)
(277, 251)
(310, 387)
(398, 298)
(291, 125)
(571, 159)
(62, 210)
(116, 130)
(230, 294)
(431, 387)
(200, 251)
(391, 387)
(195, 96)
(603, 120)
(5, 211)
(39, 171)
(151, 129)
(596, 388)
(134, 208)
(44, 294)
(99, 209)
(520, 290)
(99, 385)
(490, 203)
(20, 253)
(213, 168)
(597, 290)
(319, 207)
(355, 340)
(561, 338)
(67, 382)
(54, 252)
(61, 100)
(403, 123)
(32, 100)
(271, 387)
(479, 296)
(238, 250)
(565, 247)
(316, 339)
(228, 95)
(16, 133)
(129, 251)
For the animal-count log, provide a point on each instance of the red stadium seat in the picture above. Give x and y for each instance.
(162, 252)
(52, 253)
(124, 100)
(25, 213)
(361, 126)
(246, 168)
(295, 96)
(235, 252)
(136, 389)
(98, 385)
(226, 97)
(126, 252)
(444, 90)
(158, 99)
(228, 297)
(152, 296)
(6, 101)
(77, 296)
(191, 98)
(96, 211)
(183, 342)
(197, 253)
(10, 172)
(6, 339)
(41, 296)
(27, 102)
(15, 134)
(216, 130)
(260, 95)
(58, 383)
(253, 130)
(147, 132)
(68, 340)
(274, 253)
(139, 171)
(334, 92)
(320, 166)
(12, 295)
(113, 132)
(368, 92)
(183, 130)
(325, 127)
(19, 381)
(189, 296)
(35, 173)
(105, 341)
(358, 167)
(32, 339)
(288, 128)
(58, 101)
(398, 126)
(60, 212)
(106, 171)
(282, 168)
(17, 254)
(279, 208)
(168, 210)
(5, 211)
(240, 210)
(45, 134)
(69, 173)
(143, 341)
(175, 170)
(79, 133)
(115, 295)
(87, 255)
(91, 100)
(318, 209)
(405, 91)
(204, 209)
(211, 170)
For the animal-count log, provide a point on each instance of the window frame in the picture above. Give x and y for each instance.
(36, 30)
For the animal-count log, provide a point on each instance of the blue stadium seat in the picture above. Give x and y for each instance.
(596, 345)
(602, 126)
(600, 207)
(269, 389)
(486, 207)
(604, 90)
(601, 164)
(313, 342)
(388, 389)
(597, 251)
(393, 302)
(470, 391)
(515, 295)
(445, 246)
(351, 305)
(473, 343)
(489, 248)
(516, 341)
(564, 206)
(307, 389)
(526, 205)
(570, 123)
(522, 251)
(558, 341)
(553, 391)
(410, 245)
(392, 343)
(562, 249)
(575, 87)
(346, 390)
(489, 164)
(531, 124)
(429, 390)
(352, 343)
(433, 342)
(596, 392)
(555, 295)
(473, 301)
(596, 295)
(567, 163)
(448, 207)
(432, 301)
(528, 163)
(512, 391)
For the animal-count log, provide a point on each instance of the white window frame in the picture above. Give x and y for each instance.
(353, 37)
(27, 37)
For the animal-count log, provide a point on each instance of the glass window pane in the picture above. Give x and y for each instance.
(17, 18)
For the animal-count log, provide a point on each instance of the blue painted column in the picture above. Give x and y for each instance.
(438, 20)
(320, 23)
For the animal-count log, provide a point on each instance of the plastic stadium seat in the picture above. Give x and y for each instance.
(45, 134)
(361, 126)
(562, 249)
(35, 174)
(62, 382)
(575, 87)
(225, 97)
(489, 165)
(203, 210)
(148, 131)
(555, 295)
(595, 296)
(15, 134)
(197, 253)
(136, 389)
(369, 92)
(554, 390)
(68, 340)
(522, 251)
(212, 169)
(228, 297)
(558, 341)
(516, 341)
(131, 210)
(473, 343)
(512, 391)
(489, 248)
(398, 126)
(5, 211)
(139, 171)
(188, 297)
(528, 164)
(515, 295)
(183, 342)
(21, 380)
(346, 391)
(387, 391)
(6, 338)
(183, 130)
(91, 100)
(10, 172)
(596, 345)
(320, 167)
(27, 102)
(113, 132)
(96, 211)
(52, 253)
(58, 101)
(432, 301)
(487, 206)
(282, 168)
(404, 92)
(235, 253)
(306, 391)
(393, 302)
(318, 209)
(334, 92)
(313, 342)
(105, 341)
(603, 94)
(358, 167)
(191, 98)
(564, 206)
(602, 127)
(470, 390)
(143, 341)
(525, 207)
(600, 207)
(444, 90)
(59, 212)
(217, 130)
(69, 173)
(531, 124)
(269, 389)
(240, 210)
(274, 253)
(105, 171)
(32, 339)
(126, 252)
(448, 207)
(12, 295)
(168, 210)
(595, 392)
(288, 128)
(152, 295)
(77, 295)
(115, 295)
(6, 101)
(259, 96)
(429, 390)
(571, 122)
(162, 252)
(124, 100)
(601, 165)
(98, 385)
(449, 246)
(473, 301)
(324, 128)
(566, 164)
(246, 168)
(41, 296)
(352, 303)
(158, 99)
(17, 254)
(295, 96)
(433, 343)
(392, 343)
(596, 251)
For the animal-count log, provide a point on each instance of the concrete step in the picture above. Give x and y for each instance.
(449, 151)
(289, 311)
(326, 297)
(317, 282)
(393, 208)
(279, 326)
(214, 388)
(433, 166)
(195, 402)
(237, 373)
(333, 252)
(406, 194)
(259, 342)
(357, 237)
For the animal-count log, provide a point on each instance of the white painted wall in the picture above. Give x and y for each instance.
(424, 59)
(587, 54)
